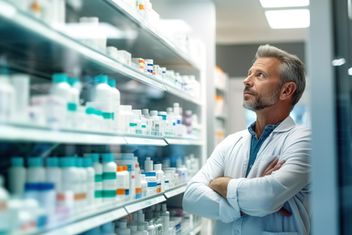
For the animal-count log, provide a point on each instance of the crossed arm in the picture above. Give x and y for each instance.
(214, 196)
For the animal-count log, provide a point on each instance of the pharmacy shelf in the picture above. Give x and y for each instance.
(37, 134)
(147, 140)
(144, 203)
(185, 141)
(106, 212)
(92, 222)
(51, 50)
(195, 230)
(175, 191)
(148, 41)
(26, 133)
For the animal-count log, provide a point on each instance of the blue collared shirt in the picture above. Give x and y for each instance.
(257, 143)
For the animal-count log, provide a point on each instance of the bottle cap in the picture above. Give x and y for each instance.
(35, 162)
(108, 157)
(59, 77)
(52, 162)
(17, 161)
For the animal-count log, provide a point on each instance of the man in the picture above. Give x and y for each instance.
(256, 181)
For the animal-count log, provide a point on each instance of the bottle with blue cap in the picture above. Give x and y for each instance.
(109, 177)
(17, 176)
(35, 171)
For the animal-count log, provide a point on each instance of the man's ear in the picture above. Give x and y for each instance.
(287, 90)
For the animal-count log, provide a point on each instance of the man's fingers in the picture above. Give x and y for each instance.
(284, 212)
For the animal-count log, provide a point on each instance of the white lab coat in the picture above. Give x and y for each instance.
(258, 197)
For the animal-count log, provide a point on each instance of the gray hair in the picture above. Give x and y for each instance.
(291, 69)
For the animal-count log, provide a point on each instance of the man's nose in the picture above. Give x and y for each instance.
(248, 81)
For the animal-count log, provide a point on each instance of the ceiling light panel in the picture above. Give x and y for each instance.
(288, 19)
(284, 3)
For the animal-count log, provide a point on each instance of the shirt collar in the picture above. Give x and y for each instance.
(267, 129)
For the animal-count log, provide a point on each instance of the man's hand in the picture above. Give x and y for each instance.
(219, 185)
(274, 166)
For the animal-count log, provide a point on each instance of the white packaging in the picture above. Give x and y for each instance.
(123, 183)
(165, 219)
(60, 87)
(53, 173)
(88, 165)
(98, 178)
(97, 40)
(125, 115)
(124, 57)
(70, 179)
(82, 185)
(160, 176)
(116, 98)
(35, 171)
(144, 185)
(109, 177)
(111, 52)
(20, 84)
(4, 212)
(156, 123)
(148, 165)
(17, 176)
(7, 99)
(54, 12)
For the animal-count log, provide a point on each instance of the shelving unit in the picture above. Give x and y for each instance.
(33, 47)
(221, 122)
(107, 212)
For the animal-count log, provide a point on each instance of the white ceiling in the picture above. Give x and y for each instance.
(244, 22)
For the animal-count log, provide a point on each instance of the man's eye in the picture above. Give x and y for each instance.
(260, 75)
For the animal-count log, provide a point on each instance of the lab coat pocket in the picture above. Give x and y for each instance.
(279, 233)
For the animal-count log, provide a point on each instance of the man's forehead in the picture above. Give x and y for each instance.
(266, 63)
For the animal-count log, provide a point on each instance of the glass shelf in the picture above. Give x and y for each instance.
(51, 50)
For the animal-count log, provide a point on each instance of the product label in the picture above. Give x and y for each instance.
(98, 194)
(109, 193)
(109, 175)
(98, 178)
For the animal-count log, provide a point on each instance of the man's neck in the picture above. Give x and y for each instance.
(267, 117)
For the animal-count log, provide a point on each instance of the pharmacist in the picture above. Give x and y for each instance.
(257, 181)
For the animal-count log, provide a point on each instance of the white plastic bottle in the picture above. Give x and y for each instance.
(20, 84)
(88, 165)
(70, 177)
(123, 183)
(17, 176)
(4, 212)
(165, 219)
(61, 88)
(148, 165)
(35, 171)
(160, 176)
(144, 185)
(7, 98)
(109, 177)
(75, 88)
(82, 185)
(98, 179)
(53, 173)
(116, 95)
(156, 122)
(103, 94)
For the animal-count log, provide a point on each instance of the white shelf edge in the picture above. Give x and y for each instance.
(196, 229)
(92, 222)
(140, 21)
(179, 141)
(97, 57)
(20, 133)
(135, 140)
(136, 206)
(176, 191)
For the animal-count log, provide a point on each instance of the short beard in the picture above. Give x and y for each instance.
(262, 103)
